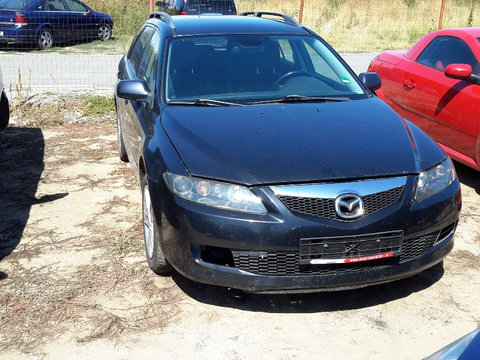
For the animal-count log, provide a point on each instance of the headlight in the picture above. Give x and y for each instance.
(434, 180)
(213, 193)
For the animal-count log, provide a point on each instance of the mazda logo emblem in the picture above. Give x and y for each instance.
(349, 206)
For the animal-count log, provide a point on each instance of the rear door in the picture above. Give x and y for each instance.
(81, 19)
(443, 107)
(56, 14)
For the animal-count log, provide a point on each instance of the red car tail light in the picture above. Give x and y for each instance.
(183, 13)
(20, 19)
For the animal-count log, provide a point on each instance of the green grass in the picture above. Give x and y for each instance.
(98, 105)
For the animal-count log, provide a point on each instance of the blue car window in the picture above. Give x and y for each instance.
(137, 56)
(14, 4)
(54, 5)
(151, 52)
(76, 6)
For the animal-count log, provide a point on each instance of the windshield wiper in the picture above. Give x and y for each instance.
(301, 98)
(204, 102)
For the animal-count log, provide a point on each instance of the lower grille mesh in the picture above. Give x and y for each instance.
(287, 263)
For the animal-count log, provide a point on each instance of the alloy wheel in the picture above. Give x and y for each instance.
(148, 226)
(104, 32)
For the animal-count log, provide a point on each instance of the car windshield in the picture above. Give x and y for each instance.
(14, 4)
(256, 68)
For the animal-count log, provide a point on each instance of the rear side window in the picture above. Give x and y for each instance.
(446, 50)
(226, 7)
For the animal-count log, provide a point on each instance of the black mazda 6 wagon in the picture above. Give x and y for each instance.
(267, 165)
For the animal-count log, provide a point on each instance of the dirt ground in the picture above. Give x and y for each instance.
(74, 282)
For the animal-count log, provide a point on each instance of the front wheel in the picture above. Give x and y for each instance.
(156, 260)
(104, 32)
(45, 39)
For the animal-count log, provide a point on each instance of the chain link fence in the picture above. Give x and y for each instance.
(59, 44)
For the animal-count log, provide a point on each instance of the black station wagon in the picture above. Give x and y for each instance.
(267, 165)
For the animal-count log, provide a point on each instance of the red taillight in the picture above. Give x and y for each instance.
(183, 13)
(20, 19)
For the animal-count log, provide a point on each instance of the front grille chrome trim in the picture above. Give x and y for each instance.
(332, 190)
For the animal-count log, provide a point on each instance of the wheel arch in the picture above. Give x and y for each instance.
(44, 26)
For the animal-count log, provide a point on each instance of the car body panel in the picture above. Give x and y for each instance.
(266, 146)
(443, 107)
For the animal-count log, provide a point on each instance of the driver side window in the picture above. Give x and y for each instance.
(446, 50)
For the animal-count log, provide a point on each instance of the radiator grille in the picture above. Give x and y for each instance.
(325, 208)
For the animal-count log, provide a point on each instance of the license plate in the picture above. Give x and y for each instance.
(350, 249)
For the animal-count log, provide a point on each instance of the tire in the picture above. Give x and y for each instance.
(151, 235)
(104, 32)
(4, 111)
(122, 152)
(45, 39)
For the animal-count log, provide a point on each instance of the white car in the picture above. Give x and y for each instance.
(4, 108)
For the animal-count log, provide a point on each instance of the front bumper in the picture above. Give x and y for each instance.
(237, 250)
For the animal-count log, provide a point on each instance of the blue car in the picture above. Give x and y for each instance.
(267, 165)
(46, 22)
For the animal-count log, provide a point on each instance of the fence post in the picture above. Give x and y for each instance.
(300, 16)
(440, 21)
(151, 6)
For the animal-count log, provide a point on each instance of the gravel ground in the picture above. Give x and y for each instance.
(74, 283)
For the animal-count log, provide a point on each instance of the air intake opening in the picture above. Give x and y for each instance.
(213, 255)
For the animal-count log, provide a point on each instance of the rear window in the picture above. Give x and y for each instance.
(257, 67)
(14, 4)
(225, 7)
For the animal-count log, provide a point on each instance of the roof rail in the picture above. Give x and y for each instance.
(167, 19)
(286, 19)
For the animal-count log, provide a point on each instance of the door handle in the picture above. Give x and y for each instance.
(409, 84)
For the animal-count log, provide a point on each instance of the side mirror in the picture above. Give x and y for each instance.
(136, 90)
(160, 3)
(371, 80)
(458, 71)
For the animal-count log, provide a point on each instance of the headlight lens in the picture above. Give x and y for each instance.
(434, 180)
(213, 193)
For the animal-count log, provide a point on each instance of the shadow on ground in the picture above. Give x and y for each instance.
(21, 165)
(468, 176)
(312, 302)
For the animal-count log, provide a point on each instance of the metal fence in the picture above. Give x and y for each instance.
(58, 71)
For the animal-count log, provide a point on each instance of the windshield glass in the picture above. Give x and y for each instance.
(253, 68)
(14, 4)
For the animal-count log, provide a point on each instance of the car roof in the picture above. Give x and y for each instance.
(229, 24)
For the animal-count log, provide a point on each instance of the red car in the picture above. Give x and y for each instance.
(436, 85)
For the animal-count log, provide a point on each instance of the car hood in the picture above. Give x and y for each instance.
(297, 143)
